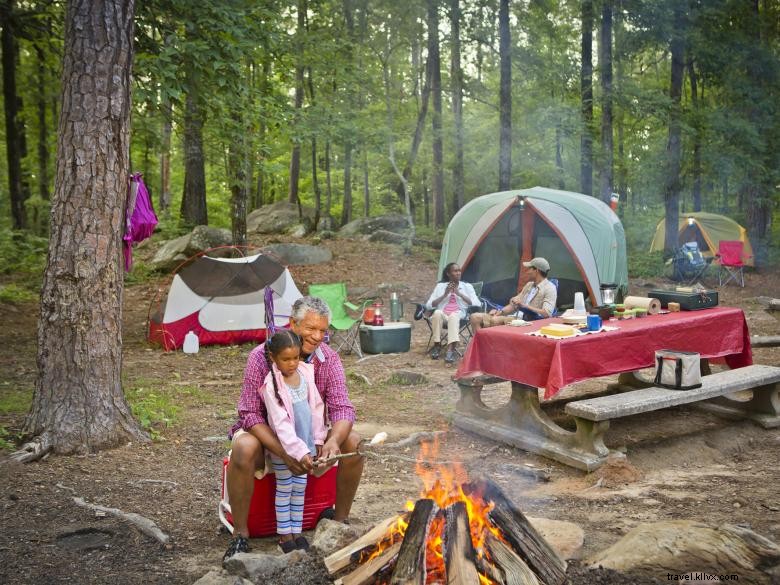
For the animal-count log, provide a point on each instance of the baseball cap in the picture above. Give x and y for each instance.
(538, 263)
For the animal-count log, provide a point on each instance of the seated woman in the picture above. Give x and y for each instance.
(535, 301)
(449, 301)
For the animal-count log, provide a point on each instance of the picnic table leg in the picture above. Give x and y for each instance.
(762, 408)
(523, 423)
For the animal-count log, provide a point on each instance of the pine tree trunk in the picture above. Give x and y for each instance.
(586, 97)
(78, 406)
(674, 146)
(13, 125)
(193, 201)
(457, 107)
(505, 99)
(328, 182)
(696, 138)
(605, 65)
(315, 183)
(43, 128)
(165, 157)
(295, 158)
(366, 191)
(346, 209)
(436, 120)
(239, 194)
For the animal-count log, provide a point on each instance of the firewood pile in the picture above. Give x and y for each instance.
(470, 535)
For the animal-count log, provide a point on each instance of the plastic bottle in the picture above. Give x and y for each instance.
(191, 343)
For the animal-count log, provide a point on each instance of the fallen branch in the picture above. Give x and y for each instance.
(416, 439)
(33, 450)
(162, 481)
(145, 525)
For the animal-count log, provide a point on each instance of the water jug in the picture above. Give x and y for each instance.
(396, 309)
(191, 343)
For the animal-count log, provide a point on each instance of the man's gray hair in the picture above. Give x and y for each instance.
(305, 304)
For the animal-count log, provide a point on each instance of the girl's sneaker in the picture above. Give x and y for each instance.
(301, 543)
(287, 546)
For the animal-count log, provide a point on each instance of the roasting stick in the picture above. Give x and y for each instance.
(377, 439)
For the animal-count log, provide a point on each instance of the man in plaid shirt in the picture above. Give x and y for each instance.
(251, 435)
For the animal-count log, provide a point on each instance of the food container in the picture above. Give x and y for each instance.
(639, 312)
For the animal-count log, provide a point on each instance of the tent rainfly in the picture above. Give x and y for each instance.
(224, 301)
(582, 238)
(706, 229)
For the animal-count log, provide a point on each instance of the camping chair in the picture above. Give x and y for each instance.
(335, 295)
(464, 328)
(688, 263)
(527, 315)
(731, 260)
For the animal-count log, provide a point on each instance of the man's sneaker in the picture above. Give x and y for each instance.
(450, 356)
(436, 352)
(301, 543)
(287, 546)
(238, 545)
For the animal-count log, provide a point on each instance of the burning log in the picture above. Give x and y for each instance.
(366, 572)
(351, 554)
(520, 534)
(459, 554)
(410, 565)
(507, 568)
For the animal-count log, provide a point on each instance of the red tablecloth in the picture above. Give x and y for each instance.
(510, 353)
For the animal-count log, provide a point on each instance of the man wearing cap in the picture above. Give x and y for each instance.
(536, 300)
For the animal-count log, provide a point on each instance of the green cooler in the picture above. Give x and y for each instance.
(391, 337)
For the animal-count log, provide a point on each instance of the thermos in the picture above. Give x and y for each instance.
(395, 307)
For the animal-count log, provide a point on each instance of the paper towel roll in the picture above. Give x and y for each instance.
(652, 306)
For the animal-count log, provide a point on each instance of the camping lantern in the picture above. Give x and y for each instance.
(608, 292)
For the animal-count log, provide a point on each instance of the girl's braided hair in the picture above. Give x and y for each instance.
(282, 339)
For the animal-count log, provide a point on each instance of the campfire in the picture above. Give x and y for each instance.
(460, 531)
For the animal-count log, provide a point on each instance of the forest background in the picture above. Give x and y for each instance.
(348, 106)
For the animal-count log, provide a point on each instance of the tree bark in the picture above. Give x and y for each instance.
(78, 405)
(165, 157)
(586, 99)
(295, 158)
(436, 122)
(239, 194)
(696, 194)
(457, 107)
(315, 183)
(14, 143)
(458, 550)
(505, 99)
(605, 65)
(193, 202)
(674, 146)
(43, 128)
(346, 209)
(410, 565)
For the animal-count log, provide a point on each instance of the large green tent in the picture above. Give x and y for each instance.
(707, 229)
(579, 235)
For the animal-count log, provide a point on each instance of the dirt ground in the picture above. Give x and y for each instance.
(685, 464)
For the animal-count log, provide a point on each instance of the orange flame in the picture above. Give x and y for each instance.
(443, 484)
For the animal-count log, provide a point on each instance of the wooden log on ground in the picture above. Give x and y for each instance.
(351, 553)
(507, 567)
(366, 572)
(459, 554)
(524, 539)
(410, 565)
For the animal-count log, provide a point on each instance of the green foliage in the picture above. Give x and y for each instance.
(15, 401)
(5, 444)
(643, 264)
(154, 408)
(23, 256)
(15, 294)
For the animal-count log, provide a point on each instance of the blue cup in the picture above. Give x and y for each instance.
(594, 323)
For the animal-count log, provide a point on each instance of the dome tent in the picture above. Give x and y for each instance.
(706, 229)
(579, 235)
(223, 300)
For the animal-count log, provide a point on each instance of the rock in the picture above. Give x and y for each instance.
(277, 218)
(565, 537)
(257, 567)
(202, 237)
(675, 546)
(386, 236)
(393, 222)
(331, 536)
(407, 378)
(298, 254)
(298, 231)
(221, 577)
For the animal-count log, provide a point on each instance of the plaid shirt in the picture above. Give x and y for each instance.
(328, 375)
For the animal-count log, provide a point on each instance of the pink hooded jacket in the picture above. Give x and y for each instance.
(281, 418)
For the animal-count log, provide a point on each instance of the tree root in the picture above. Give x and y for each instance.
(33, 450)
(145, 525)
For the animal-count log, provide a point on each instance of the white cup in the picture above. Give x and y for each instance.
(579, 302)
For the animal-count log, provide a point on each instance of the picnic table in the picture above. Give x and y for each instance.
(531, 362)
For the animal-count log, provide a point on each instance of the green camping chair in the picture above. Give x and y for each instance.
(345, 327)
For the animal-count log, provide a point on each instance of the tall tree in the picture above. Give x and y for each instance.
(505, 98)
(586, 99)
(193, 201)
(43, 126)
(697, 138)
(605, 67)
(295, 157)
(456, 76)
(349, 141)
(674, 144)
(14, 126)
(78, 405)
(436, 132)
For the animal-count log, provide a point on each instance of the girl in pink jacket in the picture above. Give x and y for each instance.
(296, 413)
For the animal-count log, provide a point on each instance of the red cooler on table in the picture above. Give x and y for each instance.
(320, 495)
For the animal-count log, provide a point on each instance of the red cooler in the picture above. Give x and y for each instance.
(320, 495)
